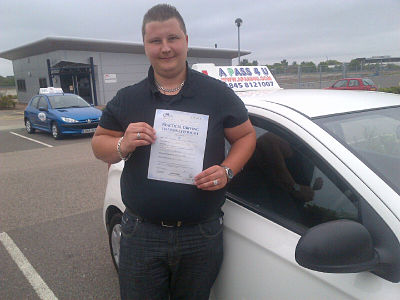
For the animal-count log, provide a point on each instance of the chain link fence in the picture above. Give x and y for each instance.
(319, 77)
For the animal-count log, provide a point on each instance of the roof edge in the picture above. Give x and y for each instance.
(54, 43)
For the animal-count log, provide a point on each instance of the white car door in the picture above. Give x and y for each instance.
(265, 218)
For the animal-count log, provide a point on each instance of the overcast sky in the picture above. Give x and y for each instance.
(306, 30)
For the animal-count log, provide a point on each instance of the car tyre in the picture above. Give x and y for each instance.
(55, 131)
(114, 238)
(28, 126)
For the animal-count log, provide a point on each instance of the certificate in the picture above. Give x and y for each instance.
(178, 152)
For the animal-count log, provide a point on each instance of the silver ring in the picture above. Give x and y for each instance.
(138, 135)
(215, 182)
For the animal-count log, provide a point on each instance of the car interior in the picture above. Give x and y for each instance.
(279, 160)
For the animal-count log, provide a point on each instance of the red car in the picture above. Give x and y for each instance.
(354, 84)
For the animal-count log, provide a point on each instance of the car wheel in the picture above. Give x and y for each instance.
(55, 131)
(28, 126)
(114, 238)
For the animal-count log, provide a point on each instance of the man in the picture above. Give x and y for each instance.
(171, 244)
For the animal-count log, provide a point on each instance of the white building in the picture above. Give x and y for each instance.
(93, 69)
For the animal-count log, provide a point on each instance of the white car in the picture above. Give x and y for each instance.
(315, 214)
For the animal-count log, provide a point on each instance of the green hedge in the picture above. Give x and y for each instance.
(393, 89)
(7, 101)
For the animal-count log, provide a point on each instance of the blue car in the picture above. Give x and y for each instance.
(60, 114)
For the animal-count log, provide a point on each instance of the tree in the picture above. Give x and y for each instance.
(276, 68)
(392, 67)
(7, 81)
(330, 64)
(308, 67)
(279, 68)
(354, 65)
(293, 68)
(245, 62)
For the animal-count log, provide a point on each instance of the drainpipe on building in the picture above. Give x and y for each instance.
(93, 81)
(49, 71)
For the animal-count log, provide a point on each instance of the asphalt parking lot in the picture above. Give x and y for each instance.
(53, 243)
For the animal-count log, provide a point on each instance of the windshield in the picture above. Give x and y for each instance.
(374, 136)
(367, 81)
(66, 101)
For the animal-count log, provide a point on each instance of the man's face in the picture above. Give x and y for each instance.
(166, 46)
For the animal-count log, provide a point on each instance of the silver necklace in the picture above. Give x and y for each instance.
(169, 90)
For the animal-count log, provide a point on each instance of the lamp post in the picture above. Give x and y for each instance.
(238, 22)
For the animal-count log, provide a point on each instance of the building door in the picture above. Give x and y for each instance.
(74, 78)
(84, 87)
(78, 84)
(67, 83)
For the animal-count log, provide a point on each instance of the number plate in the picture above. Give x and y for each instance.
(88, 130)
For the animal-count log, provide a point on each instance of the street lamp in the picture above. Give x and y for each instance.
(238, 22)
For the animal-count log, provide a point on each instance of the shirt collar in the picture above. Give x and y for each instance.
(187, 90)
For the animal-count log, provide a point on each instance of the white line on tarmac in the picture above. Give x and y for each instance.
(40, 287)
(39, 142)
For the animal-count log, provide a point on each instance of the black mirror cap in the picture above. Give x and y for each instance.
(42, 108)
(341, 246)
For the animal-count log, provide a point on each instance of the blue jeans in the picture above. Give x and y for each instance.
(159, 262)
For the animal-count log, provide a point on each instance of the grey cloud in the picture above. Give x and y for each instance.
(272, 30)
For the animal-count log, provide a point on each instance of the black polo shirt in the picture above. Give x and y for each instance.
(165, 201)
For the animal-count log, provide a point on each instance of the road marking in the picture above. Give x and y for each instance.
(47, 145)
(40, 287)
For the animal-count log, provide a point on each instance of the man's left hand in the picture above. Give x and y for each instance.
(211, 179)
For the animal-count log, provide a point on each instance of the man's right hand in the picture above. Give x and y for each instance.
(104, 141)
(136, 135)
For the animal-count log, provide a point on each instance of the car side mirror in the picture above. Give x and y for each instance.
(43, 108)
(341, 246)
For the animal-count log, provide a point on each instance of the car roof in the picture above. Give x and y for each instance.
(353, 78)
(317, 103)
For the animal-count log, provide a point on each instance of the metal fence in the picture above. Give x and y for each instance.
(322, 77)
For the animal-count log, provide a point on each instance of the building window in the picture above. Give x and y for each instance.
(43, 82)
(21, 85)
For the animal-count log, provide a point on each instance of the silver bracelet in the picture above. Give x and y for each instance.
(119, 150)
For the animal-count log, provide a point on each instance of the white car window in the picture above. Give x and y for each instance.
(367, 81)
(353, 82)
(341, 83)
(35, 102)
(43, 103)
(288, 183)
